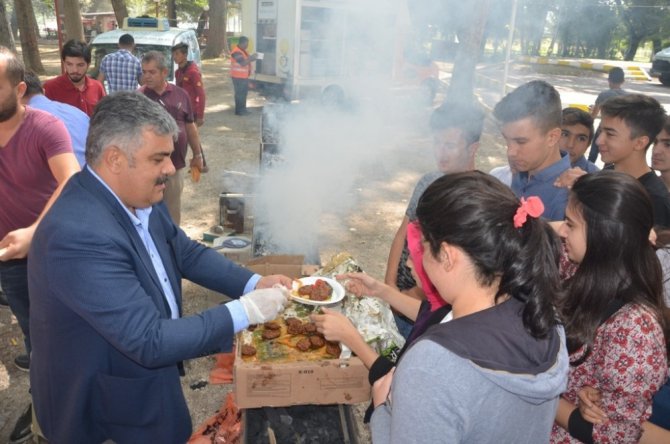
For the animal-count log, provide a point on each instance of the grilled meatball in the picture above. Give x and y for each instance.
(305, 290)
(270, 334)
(333, 349)
(248, 350)
(272, 325)
(322, 291)
(295, 328)
(309, 328)
(303, 345)
(317, 341)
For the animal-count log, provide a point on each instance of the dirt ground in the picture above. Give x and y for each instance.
(381, 192)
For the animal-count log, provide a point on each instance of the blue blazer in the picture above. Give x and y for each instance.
(106, 355)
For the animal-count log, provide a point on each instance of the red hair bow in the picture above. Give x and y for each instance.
(532, 207)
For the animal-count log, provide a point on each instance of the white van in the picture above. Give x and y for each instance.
(150, 34)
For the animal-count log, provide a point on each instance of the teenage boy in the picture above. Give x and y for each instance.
(456, 129)
(629, 125)
(530, 121)
(188, 77)
(615, 81)
(660, 155)
(576, 136)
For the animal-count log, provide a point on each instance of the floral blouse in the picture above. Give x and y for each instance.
(627, 364)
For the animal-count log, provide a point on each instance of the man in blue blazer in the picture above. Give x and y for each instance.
(105, 276)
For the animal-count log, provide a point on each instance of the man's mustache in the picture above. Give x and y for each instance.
(162, 180)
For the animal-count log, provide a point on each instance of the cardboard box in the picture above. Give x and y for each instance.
(329, 381)
(332, 381)
(288, 265)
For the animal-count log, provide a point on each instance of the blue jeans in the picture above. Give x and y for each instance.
(14, 279)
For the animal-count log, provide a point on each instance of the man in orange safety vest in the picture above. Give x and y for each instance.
(240, 68)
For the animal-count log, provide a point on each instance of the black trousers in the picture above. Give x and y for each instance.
(241, 87)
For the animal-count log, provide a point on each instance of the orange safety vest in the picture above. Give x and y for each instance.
(238, 71)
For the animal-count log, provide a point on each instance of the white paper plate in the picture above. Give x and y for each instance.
(338, 291)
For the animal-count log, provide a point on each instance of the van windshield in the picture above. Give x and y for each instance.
(101, 50)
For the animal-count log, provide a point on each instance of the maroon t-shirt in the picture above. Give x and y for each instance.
(177, 102)
(190, 80)
(26, 182)
(61, 89)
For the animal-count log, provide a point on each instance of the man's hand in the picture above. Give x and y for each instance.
(274, 279)
(264, 305)
(589, 405)
(568, 177)
(199, 122)
(16, 244)
(197, 162)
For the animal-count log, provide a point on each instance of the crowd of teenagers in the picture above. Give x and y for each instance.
(532, 298)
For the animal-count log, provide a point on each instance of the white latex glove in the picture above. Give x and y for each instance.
(264, 305)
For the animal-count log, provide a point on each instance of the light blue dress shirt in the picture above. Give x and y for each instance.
(75, 120)
(141, 223)
(541, 184)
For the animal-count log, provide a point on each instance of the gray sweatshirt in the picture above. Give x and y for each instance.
(490, 382)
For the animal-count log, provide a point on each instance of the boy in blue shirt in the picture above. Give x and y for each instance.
(530, 122)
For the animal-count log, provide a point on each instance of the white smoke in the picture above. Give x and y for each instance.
(326, 152)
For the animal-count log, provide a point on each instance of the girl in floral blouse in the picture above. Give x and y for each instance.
(612, 312)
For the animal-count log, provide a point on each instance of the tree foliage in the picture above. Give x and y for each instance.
(642, 19)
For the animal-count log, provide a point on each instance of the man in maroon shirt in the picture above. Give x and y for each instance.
(177, 102)
(74, 87)
(188, 78)
(36, 160)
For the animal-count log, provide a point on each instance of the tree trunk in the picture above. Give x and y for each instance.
(172, 12)
(226, 48)
(120, 11)
(633, 43)
(6, 37)
(72, 20)
(463, 77)
(25, 17)
(217, 29)
(657, 46)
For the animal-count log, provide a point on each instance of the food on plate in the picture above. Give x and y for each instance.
(317, 341)
(248, 350)
(303, 344)
(270, 334)
(333, 348)
(318, 291)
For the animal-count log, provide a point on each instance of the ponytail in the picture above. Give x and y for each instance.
(477, 213)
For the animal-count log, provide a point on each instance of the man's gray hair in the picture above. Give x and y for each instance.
(120, 119)
(155, 56)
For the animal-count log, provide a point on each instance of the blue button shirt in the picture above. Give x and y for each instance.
(75, 120)
(541, 184)
(587, 166)
(141, 223)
